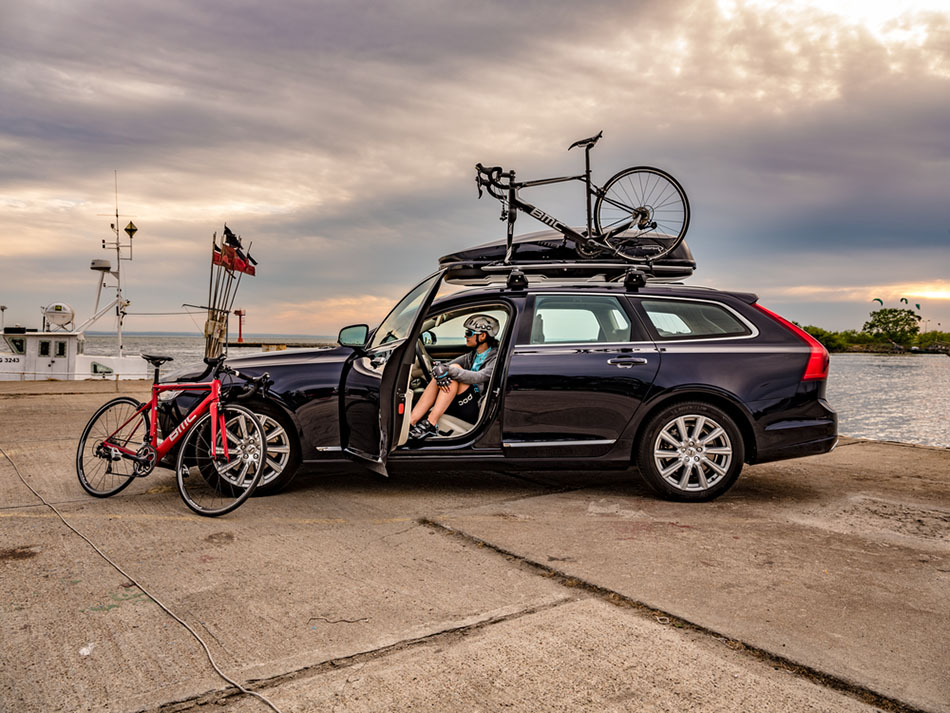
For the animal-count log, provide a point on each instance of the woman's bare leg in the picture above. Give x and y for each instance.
(444, 399)
(425, 402)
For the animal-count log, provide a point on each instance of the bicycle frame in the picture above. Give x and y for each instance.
(513, 203)
(540, 215)
(162, 448)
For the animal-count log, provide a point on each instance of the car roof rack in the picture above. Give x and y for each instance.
(548, 256)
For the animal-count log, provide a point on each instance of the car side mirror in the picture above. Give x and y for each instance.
(428, 337)
(353, 336)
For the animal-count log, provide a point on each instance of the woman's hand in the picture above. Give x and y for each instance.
(441, 375)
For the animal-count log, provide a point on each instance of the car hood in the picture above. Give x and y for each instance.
(265, 360)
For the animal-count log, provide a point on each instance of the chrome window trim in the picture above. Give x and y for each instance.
(741, 318)
(593, 346)
(661, 341)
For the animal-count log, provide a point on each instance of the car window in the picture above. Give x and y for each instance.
(683, 319)
(451, 332)
(398, 322)
(570, 319)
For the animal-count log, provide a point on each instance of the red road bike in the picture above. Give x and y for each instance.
(222, 453)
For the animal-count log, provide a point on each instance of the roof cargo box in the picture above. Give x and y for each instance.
(547, 254)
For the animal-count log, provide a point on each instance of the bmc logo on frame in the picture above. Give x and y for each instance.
(545, 218)
(182, 427)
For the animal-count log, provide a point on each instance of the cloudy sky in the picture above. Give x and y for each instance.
(812, 137)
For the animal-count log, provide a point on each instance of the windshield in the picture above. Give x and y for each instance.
(398, 322)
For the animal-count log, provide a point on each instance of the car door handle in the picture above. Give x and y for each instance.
(626, 362)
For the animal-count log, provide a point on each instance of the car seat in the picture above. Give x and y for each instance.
(537, 330)
(452, 426)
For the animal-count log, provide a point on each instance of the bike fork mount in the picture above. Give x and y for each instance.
(510, 213)
(587, 184)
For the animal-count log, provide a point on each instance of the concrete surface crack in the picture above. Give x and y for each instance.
(830, 681)
(393, 534)
(221, 696)
(337, 621)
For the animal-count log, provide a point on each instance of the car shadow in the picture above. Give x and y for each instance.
(490, 482)
(755, 486)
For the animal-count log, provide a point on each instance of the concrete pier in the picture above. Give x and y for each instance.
(820, 584)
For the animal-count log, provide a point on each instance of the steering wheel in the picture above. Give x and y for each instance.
(425, 361)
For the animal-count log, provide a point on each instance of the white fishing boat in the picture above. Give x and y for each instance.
(57, 350)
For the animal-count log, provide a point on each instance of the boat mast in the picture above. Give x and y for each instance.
(130, 230)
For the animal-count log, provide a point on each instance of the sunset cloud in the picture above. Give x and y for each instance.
(939, 290)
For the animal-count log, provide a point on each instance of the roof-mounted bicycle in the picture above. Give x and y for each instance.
(640, 215)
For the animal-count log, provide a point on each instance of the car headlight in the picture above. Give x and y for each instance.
(169, 395)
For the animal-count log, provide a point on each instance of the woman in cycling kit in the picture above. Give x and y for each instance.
(458, 387)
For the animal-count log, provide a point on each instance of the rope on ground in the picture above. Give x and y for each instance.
(137, 584)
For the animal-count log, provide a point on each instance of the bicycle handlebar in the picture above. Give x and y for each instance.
(260, 383)
(490, 177)
(254, 383)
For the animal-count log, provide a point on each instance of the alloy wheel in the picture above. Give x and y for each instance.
(692, 453)
(278, 448)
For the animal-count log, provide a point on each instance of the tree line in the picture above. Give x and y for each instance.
(888, 329)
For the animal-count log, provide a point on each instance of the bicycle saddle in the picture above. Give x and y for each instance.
(587, 142)
(156, 360)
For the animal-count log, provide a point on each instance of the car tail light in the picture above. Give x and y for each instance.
(818, 359)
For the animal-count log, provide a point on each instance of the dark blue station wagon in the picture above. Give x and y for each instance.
(682, 383)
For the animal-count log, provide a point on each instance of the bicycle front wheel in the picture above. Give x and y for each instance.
(211, 483)
(653, 206)
(101, 467)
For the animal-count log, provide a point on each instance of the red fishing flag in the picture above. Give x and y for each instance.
(223, 258)
(242, 263)
(232, 257)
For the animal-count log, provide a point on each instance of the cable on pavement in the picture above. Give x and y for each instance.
(137, 584)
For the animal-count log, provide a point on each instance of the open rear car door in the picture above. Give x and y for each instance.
(375, 379)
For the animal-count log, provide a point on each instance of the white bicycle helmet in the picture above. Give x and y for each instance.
(483, 323)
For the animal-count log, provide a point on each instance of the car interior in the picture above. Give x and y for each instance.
(443, 340)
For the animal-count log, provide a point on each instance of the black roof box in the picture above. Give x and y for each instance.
(549, 255)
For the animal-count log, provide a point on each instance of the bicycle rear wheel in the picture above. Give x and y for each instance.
(654, 205)
(210, 484)
(102, 470)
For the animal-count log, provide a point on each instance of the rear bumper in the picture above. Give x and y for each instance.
(798, 450)
(798, 437)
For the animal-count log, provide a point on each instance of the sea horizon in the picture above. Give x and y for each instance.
(248, 336)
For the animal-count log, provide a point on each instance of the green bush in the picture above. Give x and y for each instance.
(832, 341)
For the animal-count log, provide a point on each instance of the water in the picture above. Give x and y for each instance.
(877, 396)
(187, 351)
(892, 398)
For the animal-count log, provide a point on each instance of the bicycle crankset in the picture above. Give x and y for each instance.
(146, 458)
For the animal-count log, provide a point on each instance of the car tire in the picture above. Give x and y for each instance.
(691, 452)
(283, 449)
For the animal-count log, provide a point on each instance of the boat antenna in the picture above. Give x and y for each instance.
(119, 246)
